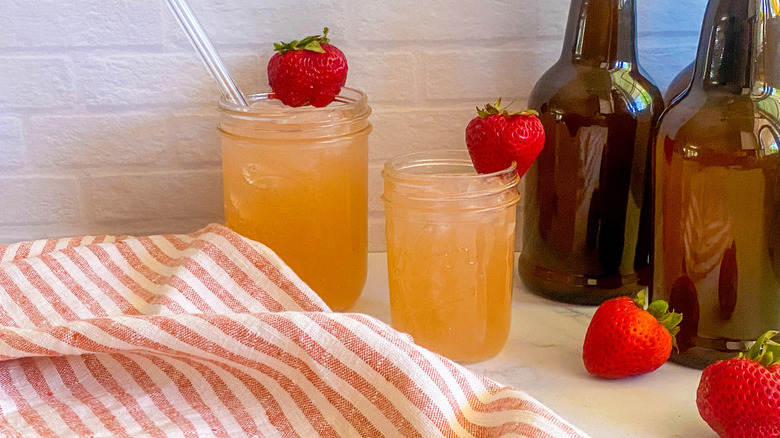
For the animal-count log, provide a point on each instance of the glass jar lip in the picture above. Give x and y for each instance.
(397, 168)
(446, 186)
(348, 99)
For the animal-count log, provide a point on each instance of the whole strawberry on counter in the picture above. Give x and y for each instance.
(310, 71)
(740, 397)
(625, 339)
(497, 137)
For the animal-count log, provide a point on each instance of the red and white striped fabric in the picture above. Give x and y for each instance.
(210, 334)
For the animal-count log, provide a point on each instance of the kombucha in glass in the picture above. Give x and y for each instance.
(450, 249)
(295, 179)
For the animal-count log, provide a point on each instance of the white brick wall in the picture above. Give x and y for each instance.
(107, 117)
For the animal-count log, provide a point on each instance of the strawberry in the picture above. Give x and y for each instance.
(309, 71)
(497, 137)
(625, 339)
(740, 397)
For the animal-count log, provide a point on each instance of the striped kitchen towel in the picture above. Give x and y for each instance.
(210, 334)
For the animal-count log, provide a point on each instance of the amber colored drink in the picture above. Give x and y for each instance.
(717, 187)
(450, 246)
(295, 179)
(717, 246)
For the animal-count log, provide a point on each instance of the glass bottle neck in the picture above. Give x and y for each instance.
(601, 32)
(739, 49)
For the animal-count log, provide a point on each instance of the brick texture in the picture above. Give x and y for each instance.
(107, 117)
(12, 150)
(42, 83)
(47, 24)
(93, 141)
(30, 199)
(160, 194)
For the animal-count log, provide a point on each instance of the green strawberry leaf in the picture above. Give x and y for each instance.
(312, 43)
(496, 108)
(641, 299)
(658, 308)
(314, 46)
(660, 311)
(764, 351)
(304, 42)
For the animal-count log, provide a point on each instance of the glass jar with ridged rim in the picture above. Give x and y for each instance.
(450, 252)
(295, 179)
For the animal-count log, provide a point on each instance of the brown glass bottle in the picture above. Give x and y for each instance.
(717, 186)
(584, 199)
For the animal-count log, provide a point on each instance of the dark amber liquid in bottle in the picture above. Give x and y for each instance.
(587, 229)
(717, 187)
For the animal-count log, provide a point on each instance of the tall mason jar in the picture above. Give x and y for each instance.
(295, 179)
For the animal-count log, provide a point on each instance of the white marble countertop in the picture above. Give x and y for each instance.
(543, 358)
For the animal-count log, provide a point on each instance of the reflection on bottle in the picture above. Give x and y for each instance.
(638, 98)
(706, 224)
(684, 300)
(728, 280)
(572, 223)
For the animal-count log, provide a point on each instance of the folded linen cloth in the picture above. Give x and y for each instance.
(210, 334)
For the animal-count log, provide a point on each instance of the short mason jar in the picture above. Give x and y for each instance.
(450, 252)
(295, 179)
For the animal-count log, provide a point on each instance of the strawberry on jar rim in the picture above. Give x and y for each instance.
(497, 137)
(307, 72)
(740, 397)
(626, 339)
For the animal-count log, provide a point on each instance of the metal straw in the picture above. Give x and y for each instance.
(208, 53)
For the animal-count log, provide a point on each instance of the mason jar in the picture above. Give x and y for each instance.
(450, 252)
(295, 179)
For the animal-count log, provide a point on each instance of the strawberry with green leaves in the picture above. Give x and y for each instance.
(307, 72)
(497, 137)
(626, 339)
(740, 397)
